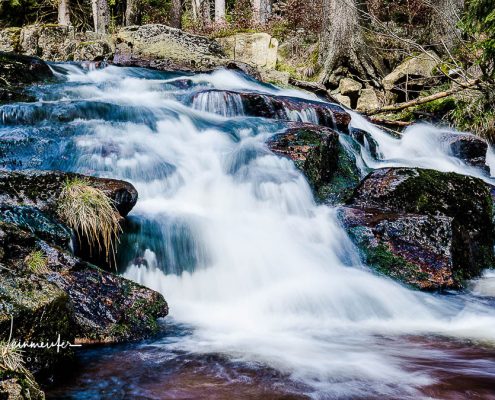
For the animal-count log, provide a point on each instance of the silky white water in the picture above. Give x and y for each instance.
(273, 279)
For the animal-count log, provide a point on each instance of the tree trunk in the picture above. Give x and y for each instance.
(205, 12)
(220, 12)
(342, 46)
(101, 15)
(64, 12)
(132, 14)
(176, 14)
(262, 10)
(446, 18)
(195, 8)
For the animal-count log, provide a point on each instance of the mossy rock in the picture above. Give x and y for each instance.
(329, 167)
(463, 199)
(19, 385)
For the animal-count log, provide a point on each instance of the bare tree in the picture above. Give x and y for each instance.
(132, 14)
(101, 15)
(219, 11)
(176, 14)
(64, 12)
(342, 45)
(262, 10)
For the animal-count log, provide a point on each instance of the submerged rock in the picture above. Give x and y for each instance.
(429, 229)
(165, 48)
(317, 151)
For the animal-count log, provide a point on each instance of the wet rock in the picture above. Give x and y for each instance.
(92, 305)
(286, 108)
(41, 189)
(247, 69)
(469, 148)
(430, 229)
(317, 151)
(258, 49)
(274, 77)
(34, 221)
(165, 48)
(16, 71)
(366, 140)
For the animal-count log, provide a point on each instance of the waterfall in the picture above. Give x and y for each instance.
(233, 238)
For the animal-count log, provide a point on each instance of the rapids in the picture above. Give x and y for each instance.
(267, 294)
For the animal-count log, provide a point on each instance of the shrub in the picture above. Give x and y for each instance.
(11, 357)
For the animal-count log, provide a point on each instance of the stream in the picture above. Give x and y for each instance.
(268, 297)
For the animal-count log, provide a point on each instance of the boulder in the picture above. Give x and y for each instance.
(411, 76)
(275, 77)
(366, 139)
(344, 100)
(349, 87)
(368, 100)
(16, 71)
(469, 148)
(80, 301)
(429, 229)
(165, 48)
(41, 189)
(92, 51)
(258, 49)
(317, 151)
(9, 39)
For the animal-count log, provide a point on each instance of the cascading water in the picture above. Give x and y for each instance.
(255, 272)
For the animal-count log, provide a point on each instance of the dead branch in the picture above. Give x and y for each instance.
(422, 100)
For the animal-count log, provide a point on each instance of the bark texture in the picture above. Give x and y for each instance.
(446, 17)
(101, 15)
(176, 14)
(64, 12)
(132, 14)
(261, 11)
(342, 47)
(219, 11)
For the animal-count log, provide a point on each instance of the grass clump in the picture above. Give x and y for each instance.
(37, 262)
(91, 214)
(11, 357)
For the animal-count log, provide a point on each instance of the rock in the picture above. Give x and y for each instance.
(258, 49)
(368, 100)
(344, 100)
(469, 148)
(286, 108)
(349, 87)
(165, 48)
(92, 305)
(17, 71)
(19, 385)
(275, 77)
(9, 39)
(429, 229)
(366, 140)
(41, 189)
(247, 69)
(54, 42)
(317, 151)
(413, 68)
(33, 220)
(92, 51)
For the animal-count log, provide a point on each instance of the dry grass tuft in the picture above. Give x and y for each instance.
(91, 214)
(37, 262)
(11, 357)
